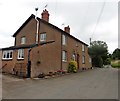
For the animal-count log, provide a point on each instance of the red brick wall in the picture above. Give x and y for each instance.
(71, 48)
(29, 31)
(49, 55)
(12, 62)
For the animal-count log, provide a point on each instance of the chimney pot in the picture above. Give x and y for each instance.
(67, 29)
(45, 15)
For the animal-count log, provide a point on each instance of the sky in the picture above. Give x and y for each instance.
(95, 19)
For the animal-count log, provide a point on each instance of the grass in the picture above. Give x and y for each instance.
(115, 63)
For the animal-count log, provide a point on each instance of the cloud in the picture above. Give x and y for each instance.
(107, 31)
(81, 15)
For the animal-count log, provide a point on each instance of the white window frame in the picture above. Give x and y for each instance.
(74, 57)
(23, 40)
(64, 39)
(64, 56)
(20, 53)
(90, 60)
(7, 55)
(83, 48)
(43, 37)
(83, 59)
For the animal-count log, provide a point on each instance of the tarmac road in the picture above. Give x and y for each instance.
(100, 83)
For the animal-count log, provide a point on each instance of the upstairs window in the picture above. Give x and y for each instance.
(8, 54)
(23, 40)
(42, 37)
(64, 39)
(21, 54)
(64, 56)
(83, 48)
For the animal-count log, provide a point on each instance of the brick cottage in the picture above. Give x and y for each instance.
(41, 47)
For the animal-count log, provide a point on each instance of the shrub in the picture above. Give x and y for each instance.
(115, 64)
(61, 72)
(97, 62)
(41, 75)
(72, 67)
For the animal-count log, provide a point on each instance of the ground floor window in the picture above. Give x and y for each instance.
(64, 56)
(74, 57)
(90, 60)
(21, 54)
(8, 54)
(83, 59)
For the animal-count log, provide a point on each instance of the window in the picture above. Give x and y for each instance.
(64, 56)
(83, 59)
(83, 48)
(90, 60)
(74, 57)
(64, 39)
(21, 54)
(7, 54)
(23, 40)
(43, 37)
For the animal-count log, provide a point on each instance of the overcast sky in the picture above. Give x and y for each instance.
(96, 19)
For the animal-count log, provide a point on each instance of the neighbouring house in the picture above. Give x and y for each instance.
(41, 47)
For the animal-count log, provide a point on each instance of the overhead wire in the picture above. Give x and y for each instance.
(98, 20)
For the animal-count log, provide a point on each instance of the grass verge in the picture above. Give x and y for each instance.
(115, 63)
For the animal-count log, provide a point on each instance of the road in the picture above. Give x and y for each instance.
(91, 84)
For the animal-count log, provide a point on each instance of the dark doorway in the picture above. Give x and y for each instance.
(78, 60)
(29, 69)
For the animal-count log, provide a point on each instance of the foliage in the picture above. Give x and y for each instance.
(97, 48)
(107, 61)
(97, 62)
(98, 51)
(72, 67)
(41, 75)
(115, 64)
(116, 54)
(61, 72)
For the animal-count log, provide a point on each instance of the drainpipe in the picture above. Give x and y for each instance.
(37, 31)
(37, 26)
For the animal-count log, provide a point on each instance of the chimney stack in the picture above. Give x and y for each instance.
(45, 15)
(67, 29)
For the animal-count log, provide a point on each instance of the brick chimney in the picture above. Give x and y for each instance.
(45, 15)
(67, 29)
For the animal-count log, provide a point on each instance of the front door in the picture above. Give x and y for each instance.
(29, 69)
(78, 60)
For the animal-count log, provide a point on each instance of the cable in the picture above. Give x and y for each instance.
(98, 20)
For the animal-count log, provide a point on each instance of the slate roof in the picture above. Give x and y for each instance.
(33, 16)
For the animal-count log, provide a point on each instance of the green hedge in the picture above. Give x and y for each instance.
(115, 64)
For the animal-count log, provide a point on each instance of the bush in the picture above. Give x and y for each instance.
(107, 61)
(72, 67)
(97, 62)
(115, 64)
(61, 72)
(41, 75)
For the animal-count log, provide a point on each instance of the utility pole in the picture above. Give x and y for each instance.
(90, 41)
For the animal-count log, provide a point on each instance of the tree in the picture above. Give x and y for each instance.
(116, 54)
(98, 50)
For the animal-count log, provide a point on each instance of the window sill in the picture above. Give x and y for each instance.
(83, 63)
(20, 59)
(64, 61)
(7, 59)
